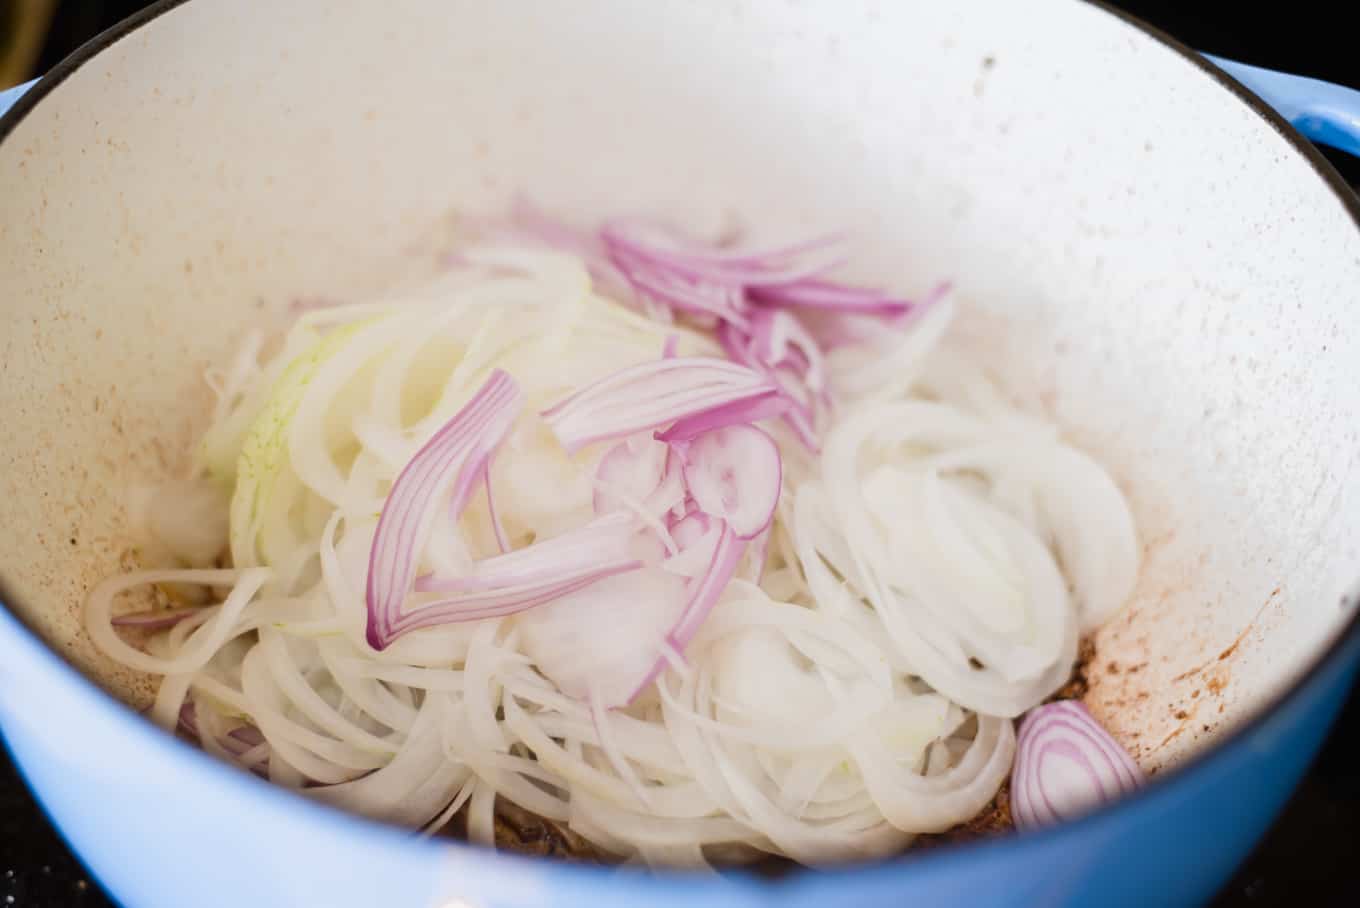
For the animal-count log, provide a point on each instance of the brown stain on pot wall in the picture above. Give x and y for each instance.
(1193, 700)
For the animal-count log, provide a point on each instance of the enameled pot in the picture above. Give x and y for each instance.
(1144, 250)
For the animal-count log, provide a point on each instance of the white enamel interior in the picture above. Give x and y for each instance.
(1140, 253)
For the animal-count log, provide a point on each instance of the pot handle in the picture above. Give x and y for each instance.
(9, 95)
(1325, 113)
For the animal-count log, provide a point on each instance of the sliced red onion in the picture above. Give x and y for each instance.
(155, 619)
(778, 339)
(703, 593)
(682, 511)
(513, 582)
(655, 246)
(742, 412)
(696, 537)
(689, 295)
(745, 296)
(506, 600)
(632, 470)
(691, 528)
(799, 413)
(239, 741)
(470, 475)
(735, 474)
(649, 395)
(816, 293)
(188, 718)
(1065, 764)
(834, 329)
(502, 541)
(453, 457)
(603, 542)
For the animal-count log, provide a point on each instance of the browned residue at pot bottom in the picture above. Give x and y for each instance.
(1148, 681)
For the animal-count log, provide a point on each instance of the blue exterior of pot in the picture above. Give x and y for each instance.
(1148, 849)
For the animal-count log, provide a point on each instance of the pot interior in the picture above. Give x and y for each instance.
(1137, 252)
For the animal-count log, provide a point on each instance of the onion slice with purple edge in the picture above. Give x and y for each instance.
(833, 328)
(704, 592)
(735, 474)
(692, 296)
(779, 340)
(600, 545)
(663, 250)
(238, 742)
(454, 457)
(798, 410)
(651, 394)
(630, 472)
(502, 541)
(1065, 764)
(742, 412)
(507, 600)
(707, 589)
(816, 293)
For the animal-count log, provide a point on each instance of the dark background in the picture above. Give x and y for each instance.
(1311, 855)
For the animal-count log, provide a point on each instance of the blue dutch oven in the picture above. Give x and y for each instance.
(1149, 231)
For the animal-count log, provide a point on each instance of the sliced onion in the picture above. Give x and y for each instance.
(630, 471)
(502, 541)
(696, 537)
(834, 329)
(797, 400)
(691, 296)
(742, 412)
(650, 243)
(735, 474)
(466, 440)
(605, 540)
(238, 742)
(702, 595)
(779, 339)
(155, 619)
(607, 639)
(499, 603)
(1065, 764)
(816, 293)
(705, 592)
(649, 395)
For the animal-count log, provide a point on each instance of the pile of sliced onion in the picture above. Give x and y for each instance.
(664, 625)
(1065, 764)
(709, 469)
(755, 301)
